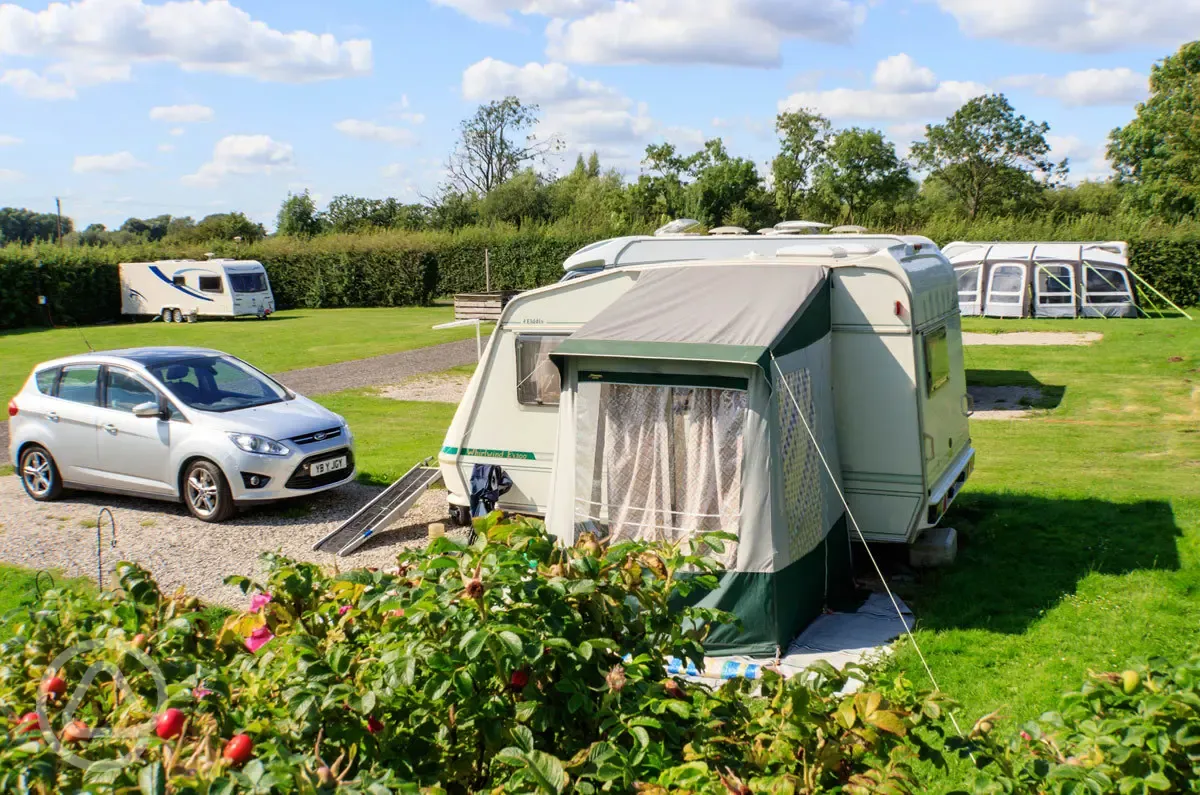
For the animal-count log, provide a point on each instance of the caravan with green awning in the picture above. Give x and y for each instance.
(899, 419)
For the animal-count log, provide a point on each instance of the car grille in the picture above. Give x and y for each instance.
(300, 478)
(317, 436)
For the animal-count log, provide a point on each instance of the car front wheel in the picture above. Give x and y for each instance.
(39, 475)
(206, 492)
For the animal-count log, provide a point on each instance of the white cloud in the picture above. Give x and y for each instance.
(166, 147)
(10, 140)
(901, 74)
(1079, 25)
(243, 154)
(1118, 86)
(9, 175)
(370, 131)
(393, 170)
(497, 11)
(901, 91)
(29, 83)
(586, 114)
(1087, 161)
(728, 32)
(106, 164)
(177, 131)
(98, 41)
(182, 114)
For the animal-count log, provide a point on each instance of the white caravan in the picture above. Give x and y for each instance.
(178, 289)
(898, 379)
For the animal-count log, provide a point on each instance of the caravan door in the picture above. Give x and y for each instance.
(1006, 290)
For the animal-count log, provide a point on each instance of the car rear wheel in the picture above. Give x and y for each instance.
(39, 475)
(206, 492)
(177, 315)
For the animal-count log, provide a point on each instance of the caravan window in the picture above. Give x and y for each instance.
(538, 381)
(1054, 284)
(211, 284)
(248, 282)
(1106, 286)
(180, 280)
(937, 360)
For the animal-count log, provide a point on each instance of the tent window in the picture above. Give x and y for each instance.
(968, 279)
(937, 360)
(1055, 285)
(1008, 283)
(538, 381)
(803, 501)
(1106, 286)
(659, 463)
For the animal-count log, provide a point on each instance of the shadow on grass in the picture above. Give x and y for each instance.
(1020, 555)
(1052, 395)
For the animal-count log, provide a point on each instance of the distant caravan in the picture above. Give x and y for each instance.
(184, 289)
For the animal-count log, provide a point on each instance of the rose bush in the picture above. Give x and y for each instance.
(512, 665)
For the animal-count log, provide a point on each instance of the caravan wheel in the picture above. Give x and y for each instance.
(166, 316)
(460, 515)
(177, 315)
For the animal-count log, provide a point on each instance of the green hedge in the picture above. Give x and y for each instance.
(397, 269)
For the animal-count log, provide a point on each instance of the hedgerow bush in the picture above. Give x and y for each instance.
(508, 666)
(413, 268)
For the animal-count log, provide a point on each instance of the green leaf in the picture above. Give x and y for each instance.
(473, 643)
(585, 650)
(522, 737)
(512, 641)
(548, 771)
(368, 702)
(1157, 780)
(152, 780)
(641, 735)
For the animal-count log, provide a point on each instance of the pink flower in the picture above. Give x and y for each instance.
(397, 614)
(1025, 736)
(201, 691)
(343, 610)
(258, 600)
(259, 638)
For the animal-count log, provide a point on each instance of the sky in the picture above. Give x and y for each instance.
(138, 108)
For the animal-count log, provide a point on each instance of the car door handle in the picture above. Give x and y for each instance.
(52, 416)
(108, 426)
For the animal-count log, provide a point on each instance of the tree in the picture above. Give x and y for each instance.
(803, 137)
(985, 153)
(18, 225)
(722, 183)
(227, 226)
(659, 195)
(522, 198)
(861, 169)
(1157, 155)
(298, 216)
(495, 144)
(94, 235)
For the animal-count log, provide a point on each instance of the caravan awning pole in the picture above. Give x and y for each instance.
(459, 324)
(1160, 295)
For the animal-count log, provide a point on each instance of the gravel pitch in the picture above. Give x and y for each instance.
(431, 388)
(179, 550)
(379, 370)
(1003, 402)
(1033, 338)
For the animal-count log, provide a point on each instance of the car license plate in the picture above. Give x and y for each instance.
(325, 467)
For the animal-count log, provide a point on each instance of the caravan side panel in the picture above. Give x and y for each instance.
(491, 426)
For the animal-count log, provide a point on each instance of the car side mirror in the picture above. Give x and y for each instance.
(148, 409)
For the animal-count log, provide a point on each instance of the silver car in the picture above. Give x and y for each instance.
(176, 424)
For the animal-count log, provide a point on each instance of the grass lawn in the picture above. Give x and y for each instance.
(390, 435)
(1079, 532)
(286, 341)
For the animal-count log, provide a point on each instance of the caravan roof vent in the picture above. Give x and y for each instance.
(728, 230)
(834, 252)
(770, 230)
(799, 227)
(677, 227)
(849, 229)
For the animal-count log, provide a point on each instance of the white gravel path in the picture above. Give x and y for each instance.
(180, 550)
(1033, 338)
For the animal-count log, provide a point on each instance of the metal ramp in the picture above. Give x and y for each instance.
(377, 515)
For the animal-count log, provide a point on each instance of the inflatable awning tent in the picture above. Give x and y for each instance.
(1043, 279)
(681, 413)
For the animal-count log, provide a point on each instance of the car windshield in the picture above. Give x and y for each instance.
(216, 383)
(248, 282)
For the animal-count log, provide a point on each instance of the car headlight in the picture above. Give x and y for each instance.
(346, 432)
(252, 443)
